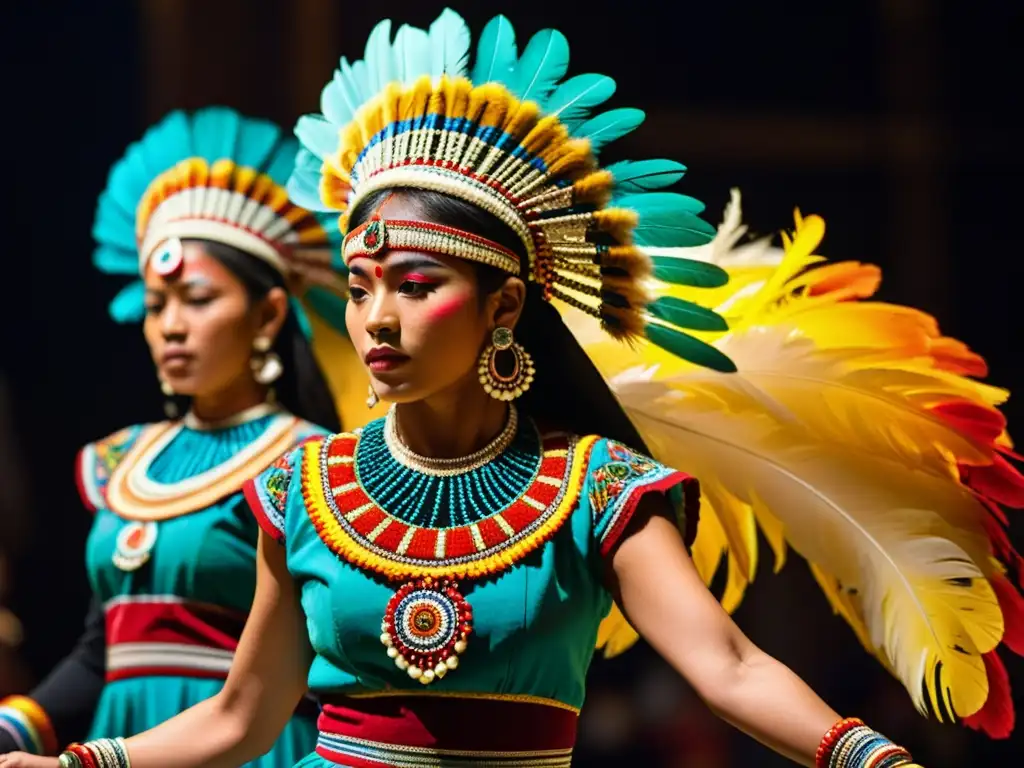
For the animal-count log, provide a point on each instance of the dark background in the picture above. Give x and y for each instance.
(891, 118)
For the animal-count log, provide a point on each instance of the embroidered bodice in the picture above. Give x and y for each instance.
(393, 564)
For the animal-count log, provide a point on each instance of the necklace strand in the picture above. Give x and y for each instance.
(454, 466)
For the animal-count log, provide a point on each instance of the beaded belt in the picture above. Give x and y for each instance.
(445, 731)
(166, 635)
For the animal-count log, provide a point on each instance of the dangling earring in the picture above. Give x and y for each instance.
(170, 408)
(266, 365)
(371, 398)
(505, 386)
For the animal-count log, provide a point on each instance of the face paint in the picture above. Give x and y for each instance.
(441, 310)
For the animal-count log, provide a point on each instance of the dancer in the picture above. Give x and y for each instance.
(197, 208)
(440, 578)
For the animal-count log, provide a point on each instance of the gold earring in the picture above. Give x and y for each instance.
(372, 399)
(499, 385)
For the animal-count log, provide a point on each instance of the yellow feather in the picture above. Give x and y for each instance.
(825, 438)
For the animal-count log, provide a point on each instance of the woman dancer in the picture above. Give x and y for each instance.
(196, 208)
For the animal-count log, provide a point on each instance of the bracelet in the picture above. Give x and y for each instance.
(101, 753)
(851, 744)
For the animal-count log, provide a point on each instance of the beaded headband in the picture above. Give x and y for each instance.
(378, 235)
(514, 138)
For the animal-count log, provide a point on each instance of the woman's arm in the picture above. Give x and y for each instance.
(266, 682)
(666, 601)
(68, 696)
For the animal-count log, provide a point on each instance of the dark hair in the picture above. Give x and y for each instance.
(302, 388)
(568, 391)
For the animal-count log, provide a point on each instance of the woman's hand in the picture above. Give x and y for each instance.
(25, 760)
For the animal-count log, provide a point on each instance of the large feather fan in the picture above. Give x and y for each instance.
(854, 434)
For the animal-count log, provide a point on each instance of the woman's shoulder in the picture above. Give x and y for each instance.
(97, 460)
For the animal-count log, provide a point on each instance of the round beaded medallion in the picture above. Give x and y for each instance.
(135, 542)
(425, 628)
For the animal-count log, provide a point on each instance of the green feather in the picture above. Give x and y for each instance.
(633, 176)
(667, 219)
(544, 62)
(609, 126)
(574, 99)
(496, 52)
(684, 346)
(686, 314)
(698, 274)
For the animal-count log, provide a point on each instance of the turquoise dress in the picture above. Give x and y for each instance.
(171, 555)
(491, 579)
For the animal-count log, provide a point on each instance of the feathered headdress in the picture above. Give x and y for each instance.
(855, 434)
(513, 137)
(216, 175)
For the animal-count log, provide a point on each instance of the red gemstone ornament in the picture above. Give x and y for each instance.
(134, 545)
(426, 627)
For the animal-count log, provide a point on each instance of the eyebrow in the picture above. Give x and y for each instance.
(405, 263)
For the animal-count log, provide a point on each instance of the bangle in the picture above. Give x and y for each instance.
(101, 753)
(831, 738)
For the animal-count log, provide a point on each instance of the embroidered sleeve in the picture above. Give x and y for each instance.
(97, 461)
(619, 478)
(267, 493)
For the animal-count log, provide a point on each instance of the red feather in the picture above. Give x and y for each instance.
(996, 718)
(1012, 605)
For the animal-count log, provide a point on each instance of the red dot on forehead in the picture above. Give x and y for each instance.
(378, 271)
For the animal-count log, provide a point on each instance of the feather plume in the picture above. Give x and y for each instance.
(849, 436)
(449, 42)
(544, 62)
(496, 52)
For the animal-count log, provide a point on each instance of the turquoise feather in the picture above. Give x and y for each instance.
(609, 126)
(115, 261)
(378, 54)
(257, 141)
(166, 143)
(281, 161)
(574, 99)
(697, 274)
(686, 314)
(449, 45)
(412, 55)
(660, 204)
(496, 52)
(688, 348)
(355, 84)
(215, 133)
(645, 175)
(544, 62)
(129, 305)
(685, 232)
(317, 134)
(361, 80)
(667, 219)
(304, 190)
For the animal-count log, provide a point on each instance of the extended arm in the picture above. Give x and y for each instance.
(665, 599)
(66, 699)
(266, 682)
